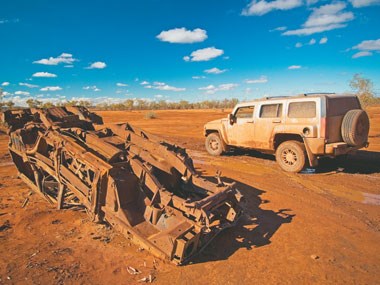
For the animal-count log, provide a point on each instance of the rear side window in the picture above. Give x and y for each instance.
(302, 110)
(271, 111)
(245, 112)
(340, 106)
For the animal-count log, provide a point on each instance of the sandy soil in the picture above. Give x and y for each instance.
(297, 229)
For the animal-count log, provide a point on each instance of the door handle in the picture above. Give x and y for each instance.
(276, 121)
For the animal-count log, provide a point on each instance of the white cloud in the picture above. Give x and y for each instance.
(261, 79)
(325, 18)
(158, 96)
(144, 83)
(323, 40)
(5, 83)
(298, 45)
(198, 77)
(312, 42)
(63, 58)
(361, 54)
(364, 3)
(311, 2)
(204, 54)
(44, 74)
(22, 93)
(164, 87)
(211, 89)
(51, 88)
(294, 67)
(282, 28)
(93, 88)
(259, 8)
(183, 36)
(366, 47)
(121, 84)
(5, 93)
(28, 85)
(97, 65)
(369, 45)
(68, 66)
(215, 70)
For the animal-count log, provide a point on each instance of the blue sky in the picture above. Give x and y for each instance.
(192, 50)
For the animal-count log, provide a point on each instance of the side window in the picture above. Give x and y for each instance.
(244, 112)
(302, 110)
(271, 111)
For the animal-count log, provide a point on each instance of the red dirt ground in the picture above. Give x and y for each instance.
(297, 229)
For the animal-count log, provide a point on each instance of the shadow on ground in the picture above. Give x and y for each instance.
(249, 152)
(360, 162)
(255, 228)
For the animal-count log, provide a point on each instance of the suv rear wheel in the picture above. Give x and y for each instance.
(291, 156)
(214, 144)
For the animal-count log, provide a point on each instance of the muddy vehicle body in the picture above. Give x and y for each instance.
(144, 187)
(297, 129)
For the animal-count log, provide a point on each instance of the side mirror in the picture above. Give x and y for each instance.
(231, 119)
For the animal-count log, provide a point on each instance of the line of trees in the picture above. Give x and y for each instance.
(130, 104)
(165, 105)
(362, 87)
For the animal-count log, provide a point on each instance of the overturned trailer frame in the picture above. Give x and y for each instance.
(144, 187)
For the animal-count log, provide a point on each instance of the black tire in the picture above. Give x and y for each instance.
(291, 156)
(214, 144)
(355, 127)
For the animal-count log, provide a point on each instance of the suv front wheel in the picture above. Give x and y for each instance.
(291, 156)
(214, 144)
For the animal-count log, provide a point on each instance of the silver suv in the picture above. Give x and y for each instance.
(297, 129)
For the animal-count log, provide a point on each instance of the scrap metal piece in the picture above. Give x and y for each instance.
(141, 185)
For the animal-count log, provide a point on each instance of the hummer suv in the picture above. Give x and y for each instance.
(297, 129)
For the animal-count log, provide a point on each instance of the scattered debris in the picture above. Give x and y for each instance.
(5, 226)
(62, 251)
(314, 256)
(34, 254)
(133, 271)
(26, 201)
(56, 222)
(148, 279)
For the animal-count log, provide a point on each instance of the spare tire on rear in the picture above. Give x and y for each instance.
(355, 127)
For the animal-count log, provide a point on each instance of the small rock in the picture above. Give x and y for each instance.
(314, 256)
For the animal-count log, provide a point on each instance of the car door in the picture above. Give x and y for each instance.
(269, 116)
(242, 131)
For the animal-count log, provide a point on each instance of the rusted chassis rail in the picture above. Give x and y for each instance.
(146, 188)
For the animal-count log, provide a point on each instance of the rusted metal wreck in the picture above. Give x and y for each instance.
(144, 187)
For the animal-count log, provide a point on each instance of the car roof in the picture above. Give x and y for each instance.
(306, 95)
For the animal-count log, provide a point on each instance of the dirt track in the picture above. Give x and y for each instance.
(298, 228)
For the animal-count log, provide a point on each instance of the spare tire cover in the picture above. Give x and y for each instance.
(355, 127)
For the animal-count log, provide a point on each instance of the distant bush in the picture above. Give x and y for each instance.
(150, 115)
(364, 90)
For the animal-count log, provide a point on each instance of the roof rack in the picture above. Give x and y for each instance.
(317, 93)
(275, 97)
